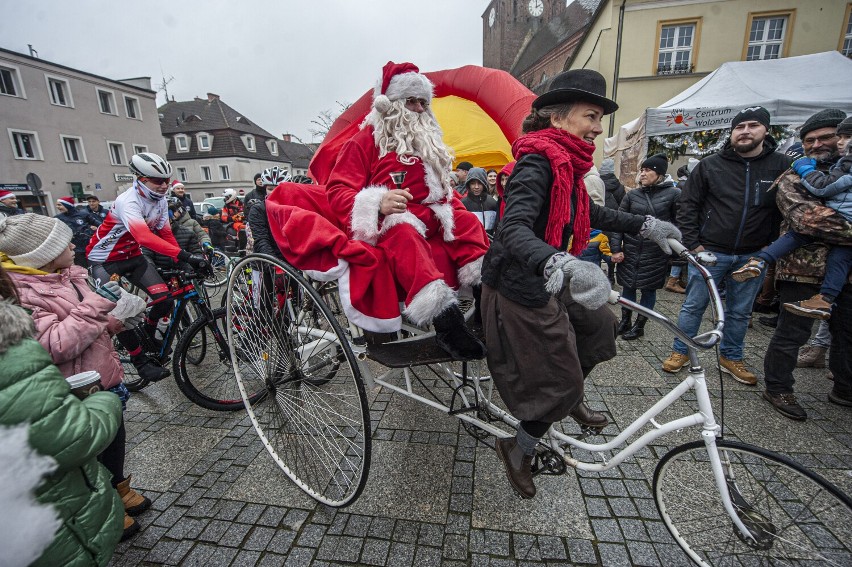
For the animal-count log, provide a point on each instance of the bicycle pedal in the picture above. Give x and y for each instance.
(588, 430)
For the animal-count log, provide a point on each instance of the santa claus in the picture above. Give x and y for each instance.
(391, 188)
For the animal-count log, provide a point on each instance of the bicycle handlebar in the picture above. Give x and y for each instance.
(703, 341)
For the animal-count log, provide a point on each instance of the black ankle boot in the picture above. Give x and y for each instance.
(584, 415)
(624, 325)
(518, 466)
(636, 330)
(453, 336)
(148, 368)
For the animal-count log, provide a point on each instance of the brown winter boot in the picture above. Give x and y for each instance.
(134, 503)
(131, 526)
(673, 285)
(811, 356)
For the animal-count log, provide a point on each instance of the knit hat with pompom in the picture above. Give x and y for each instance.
(33, 240)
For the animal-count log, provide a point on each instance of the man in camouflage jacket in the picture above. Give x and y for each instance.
(798, 277)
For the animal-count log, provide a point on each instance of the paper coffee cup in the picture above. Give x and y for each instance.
(85, 383)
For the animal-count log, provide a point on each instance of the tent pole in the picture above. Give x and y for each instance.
(617, 65)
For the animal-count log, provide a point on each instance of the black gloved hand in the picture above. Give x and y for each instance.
(197, 261)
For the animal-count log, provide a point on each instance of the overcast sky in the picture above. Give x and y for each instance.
(281, 63)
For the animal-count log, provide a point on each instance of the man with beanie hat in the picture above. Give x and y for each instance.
(461, 172)
(391, 187)
(178, 190)
(82, 224)
(728, 207)
(9, 203)
(800, 273)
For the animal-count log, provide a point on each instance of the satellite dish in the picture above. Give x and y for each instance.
(34, 182)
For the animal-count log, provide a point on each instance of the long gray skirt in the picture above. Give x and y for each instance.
(538, 355)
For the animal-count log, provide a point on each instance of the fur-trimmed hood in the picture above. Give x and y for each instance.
(15, 325)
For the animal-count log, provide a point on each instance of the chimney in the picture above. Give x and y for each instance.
(285, 137)
(211, 97)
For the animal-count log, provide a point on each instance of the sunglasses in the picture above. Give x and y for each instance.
(823, 139)
(412, 100)
(158, 180)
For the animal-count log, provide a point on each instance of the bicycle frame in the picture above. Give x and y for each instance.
(185, 295)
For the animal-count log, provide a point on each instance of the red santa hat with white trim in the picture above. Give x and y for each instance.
(400, 81)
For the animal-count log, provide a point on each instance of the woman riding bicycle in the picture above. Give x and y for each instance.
(139, 217)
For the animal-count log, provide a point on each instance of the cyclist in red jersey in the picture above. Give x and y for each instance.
(140, 217)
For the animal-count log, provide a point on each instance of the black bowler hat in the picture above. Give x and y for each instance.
(574, 85)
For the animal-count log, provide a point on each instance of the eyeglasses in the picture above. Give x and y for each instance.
(158, 180)
(822, 139)
(412, 100)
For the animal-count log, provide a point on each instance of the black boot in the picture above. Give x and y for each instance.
(636, 330)
(148, 368)
(453, 336)
(584, 415)
(518, 466)
(624, 325)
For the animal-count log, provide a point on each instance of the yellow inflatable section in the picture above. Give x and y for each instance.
(472, 134)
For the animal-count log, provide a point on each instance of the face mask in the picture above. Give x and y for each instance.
(145, 192)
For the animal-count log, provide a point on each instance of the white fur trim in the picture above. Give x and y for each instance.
(438, 192)
(382, 103)
(329, 275)
(444, 214)
(403, 218)
(365, 213)
(406, 85)
(430, 301)
(471, 273)
(364, 321)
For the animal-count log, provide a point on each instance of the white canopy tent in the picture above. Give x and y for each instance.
(791, 89)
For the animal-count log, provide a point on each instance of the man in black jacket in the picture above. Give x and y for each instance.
(9, 204)
(179, 191)
(95, 209)
(728, 208)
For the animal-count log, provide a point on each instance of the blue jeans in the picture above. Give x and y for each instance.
(649, 296)
(837, 264)
(740, 297)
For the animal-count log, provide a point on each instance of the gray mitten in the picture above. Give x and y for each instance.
(658, 231)
(110, 290)
(134, 321)
(586, 282)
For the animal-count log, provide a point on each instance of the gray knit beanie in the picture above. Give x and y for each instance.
(845, 127)
(828, 118)
(607, 166)
(33, 240)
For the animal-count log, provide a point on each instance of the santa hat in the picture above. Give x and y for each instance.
(400, 81)
(67, 202)
(5, 194)
(33, 240)
(175, 184)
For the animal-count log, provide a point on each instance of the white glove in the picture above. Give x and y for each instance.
(658, 232)
(110, 290)
(586, 282)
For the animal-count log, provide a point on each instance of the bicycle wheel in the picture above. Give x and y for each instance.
(202, 366)
(315, 421)
(197, 348)
(795, 516)
(221, 265)
(132, 379)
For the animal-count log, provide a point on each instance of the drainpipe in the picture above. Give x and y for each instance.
(617, 64)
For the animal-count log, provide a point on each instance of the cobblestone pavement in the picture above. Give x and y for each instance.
(436, 496)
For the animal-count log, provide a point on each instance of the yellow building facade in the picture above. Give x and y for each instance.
(651, 50)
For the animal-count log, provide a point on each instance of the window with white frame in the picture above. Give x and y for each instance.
(846, 41)
(60, 92)
(248, 142)
(273, 147)
(182, 143)
(224, 173)
(208, 195)
(73, 148)
(138, 148)
(106, 101)
(25, 144)
(205, 140)
(205, 173)
(674, 55)
(131, 107)
(766, 37)
(116, 153)
(10, 82)
(181, 171)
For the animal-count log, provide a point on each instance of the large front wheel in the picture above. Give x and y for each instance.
(314, 420)
(794, 516)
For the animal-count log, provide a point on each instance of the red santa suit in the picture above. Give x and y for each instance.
(435, 218)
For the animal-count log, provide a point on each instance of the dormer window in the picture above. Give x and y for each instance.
(273, 147)
(182, 143)
(205, 141)
(248, 142)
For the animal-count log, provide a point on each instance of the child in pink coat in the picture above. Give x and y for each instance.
(72, 321)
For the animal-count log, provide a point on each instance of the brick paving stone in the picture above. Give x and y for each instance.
(400, 554)
(633, 529)
(496, 543)
(203, 508)
(597, 507)
(214, 530)
(246, 558)
(311, 535)
(427, 557)
(431, 535)
(323, 515)
(250, 513)
(235, 534)
(591, 487)
(271, 560)
(461, 502)
(381, 528)
(671, 555)
(169, 517)
(613, 555)
(551, 547)
(455, 546)
(375, 551)
(340, 548)
(405, 531)
(181, 550)
(606, 530)
(623, 507)
(526, 547)
(357, 526)
(479, 560)
(187, 528)
(401, 436)
(272, 517)
(462, 485)
(647, 508)
(612, 487)
(502, 563)
(463, 469)
(299, 557)
(457, 524)
(642, 553)
(658, 532)
(162, 501)
(161, 551)
(228, 509)
(282, 541)
(638, 488)
(259, 538)
(148, 537)
(580, 551)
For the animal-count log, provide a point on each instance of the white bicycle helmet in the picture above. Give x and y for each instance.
(273, 176)
(229, 195)
(147, 164)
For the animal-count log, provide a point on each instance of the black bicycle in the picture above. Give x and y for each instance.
(201, 363)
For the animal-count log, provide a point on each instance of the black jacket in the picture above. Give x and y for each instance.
(480, 205)
(9, 211)
(80, 224)
(101, 212)
(515, 262)
(614, 190)
(257, 195)
(264, 243)
(728, 202)
(186, 201)
(645, 265)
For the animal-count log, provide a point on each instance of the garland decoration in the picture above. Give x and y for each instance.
(704, 142)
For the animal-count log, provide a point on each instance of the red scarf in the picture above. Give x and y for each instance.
(570, 159)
